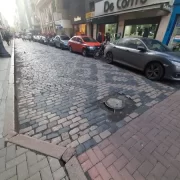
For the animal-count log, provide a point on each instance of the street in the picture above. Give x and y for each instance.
(60, 95)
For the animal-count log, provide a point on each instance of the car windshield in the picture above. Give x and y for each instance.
(155, 45)
(65, 38)
(88, 39)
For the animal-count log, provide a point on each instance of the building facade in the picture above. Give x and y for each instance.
(54, 16)
(132, 18)
(172, 35)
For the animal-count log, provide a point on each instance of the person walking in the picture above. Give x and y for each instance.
(99, 38)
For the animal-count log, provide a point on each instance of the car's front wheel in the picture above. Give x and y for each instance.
(154, 71)
(109, 57)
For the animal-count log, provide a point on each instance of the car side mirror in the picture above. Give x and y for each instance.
(141, 48)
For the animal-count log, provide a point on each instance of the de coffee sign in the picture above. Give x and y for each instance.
(122, 4)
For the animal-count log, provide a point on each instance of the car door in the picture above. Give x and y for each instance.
(119, 50)
(79, 44)
(73, 42)
(135, 58)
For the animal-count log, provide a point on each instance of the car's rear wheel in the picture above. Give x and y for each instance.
(154, 71)
(84, 52)
(109, 57)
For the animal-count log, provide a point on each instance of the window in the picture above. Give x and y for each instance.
(74, 39)
(79, 40)
(134, 43)
(64, 38)
(155, 45)
(88, 39)
(91, 6)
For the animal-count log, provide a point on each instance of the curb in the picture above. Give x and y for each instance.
(9, 118)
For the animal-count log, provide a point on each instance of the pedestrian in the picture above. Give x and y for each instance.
(108, 37)
(99, 38)
(146, 32)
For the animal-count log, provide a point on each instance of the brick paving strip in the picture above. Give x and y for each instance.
(147, 148)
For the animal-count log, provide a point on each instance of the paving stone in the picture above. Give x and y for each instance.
(9, 173)
(93, 133)
(74, 143)
(74, 131)
(2, 152)
(65, 135)
(65, 143)
(15, 161)
(83, 126)
(52, 135)
(59, 174)
(10, 152)
(54, 164)
(37, 167)
(84, 138)
(46, 173)
(76, 119)
(2, 164)
(74, 125)
(54, 118)
(41, 128)
(31, 158)
(97, 139)
(62, 120)
(43, 122)
(22, 170)
(105, 134)
(56, 140)
(57, 127)
(25, 130)
(67, 123)
(35, 177)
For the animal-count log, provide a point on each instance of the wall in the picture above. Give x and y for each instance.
(162, 27)
(172, 22)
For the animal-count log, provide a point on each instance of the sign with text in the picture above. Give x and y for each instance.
(112, 6)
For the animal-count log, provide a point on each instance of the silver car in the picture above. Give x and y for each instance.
(61, 41)
(148, 55)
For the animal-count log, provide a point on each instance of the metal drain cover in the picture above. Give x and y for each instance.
(114, 103)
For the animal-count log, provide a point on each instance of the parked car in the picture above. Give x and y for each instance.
(43, 40)
(83, 44)
(61, 41)
(148, 55)
(52, 41)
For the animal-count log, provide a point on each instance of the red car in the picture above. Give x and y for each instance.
(83, 44)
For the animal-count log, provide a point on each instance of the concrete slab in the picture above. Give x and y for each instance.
(74, 170)
(38, 146)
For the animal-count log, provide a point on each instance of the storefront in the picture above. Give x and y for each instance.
(140, 18)
(106, 25)
(172, 36)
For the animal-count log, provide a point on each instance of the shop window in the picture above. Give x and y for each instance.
(80, 29)
(108, 28)
(174, 42)
(92, 6)
(144, 30)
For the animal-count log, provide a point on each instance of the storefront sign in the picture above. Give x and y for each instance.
(78, 18)
(113, 6)
(122, 4)
(89, 15)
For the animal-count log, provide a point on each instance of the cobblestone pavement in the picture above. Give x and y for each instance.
(17, 163)
(148, 148)
(60, 95)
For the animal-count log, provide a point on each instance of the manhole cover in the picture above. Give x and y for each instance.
(114, 103)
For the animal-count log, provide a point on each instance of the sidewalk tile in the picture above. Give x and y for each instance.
(120, 163)
(125, 174)
(86, 165)
(98, 153)
(22, 171)
(114, 173)
(92, 156)
(145, 168)
(93, 173)
(83, 157)
(109, 160)
(46, 173)
(102, 171)
(35, 177)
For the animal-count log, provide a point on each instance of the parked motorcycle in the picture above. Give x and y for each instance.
(100, 52)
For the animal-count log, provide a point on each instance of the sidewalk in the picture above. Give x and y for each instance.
(148, 148)
(5, 64)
